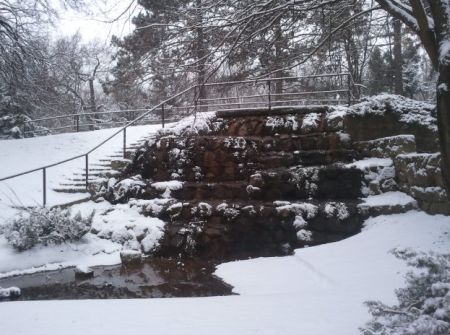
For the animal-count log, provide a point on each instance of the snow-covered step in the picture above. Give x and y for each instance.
(387, 203)
(71, 190)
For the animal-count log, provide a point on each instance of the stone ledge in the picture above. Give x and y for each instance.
(276, 110)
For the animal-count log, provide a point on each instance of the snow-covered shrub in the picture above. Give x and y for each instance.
(424, 304)
(18, 126)
(46, 226)
(10, 292)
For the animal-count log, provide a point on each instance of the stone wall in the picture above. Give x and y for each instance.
(419, 175)
(372, 126)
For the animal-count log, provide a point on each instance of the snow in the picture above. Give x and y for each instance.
(83, 269)
(310, 121)
(306, 209)
(336, 209)
(319, 290)
(337, 112)
(389, 199)
(409, 111)
(299, 222)
(89, 251)
(168, 186)
(152, 206)
(420, 155)
(370, 162)
(30, 153)
(118, 227)
(304, 235)
(10, 291)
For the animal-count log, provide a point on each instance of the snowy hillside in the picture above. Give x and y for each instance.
(30, 153)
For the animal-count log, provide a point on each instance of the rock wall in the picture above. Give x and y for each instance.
(419, 174)
(389, 115)
(257, 184)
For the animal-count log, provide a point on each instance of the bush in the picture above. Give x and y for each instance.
(14, 126)
(46, 226)
(424, 304)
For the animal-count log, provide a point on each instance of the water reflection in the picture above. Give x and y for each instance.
(154, 278)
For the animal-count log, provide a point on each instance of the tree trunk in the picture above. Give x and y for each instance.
(92, 96)
(200, 52)
(278, 60)
(443, 119)
(398, 58)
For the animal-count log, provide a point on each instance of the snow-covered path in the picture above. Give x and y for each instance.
(318, 291)
(26, 154)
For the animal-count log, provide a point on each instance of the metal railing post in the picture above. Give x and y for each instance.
(87, 170)
(162, 115)
(77, 121)
(268, 95)
(44, 186)
(124, 142)
(195, 99)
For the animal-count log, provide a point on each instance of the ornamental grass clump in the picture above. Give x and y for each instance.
(46, 226)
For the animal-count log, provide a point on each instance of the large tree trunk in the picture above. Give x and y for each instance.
(443, 118)
(200, 51)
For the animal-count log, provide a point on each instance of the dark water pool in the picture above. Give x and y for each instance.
(153, 278)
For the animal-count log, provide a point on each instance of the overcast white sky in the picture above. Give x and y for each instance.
(94, 23)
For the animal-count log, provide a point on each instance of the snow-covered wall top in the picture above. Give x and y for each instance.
(387, 115)
(409, 111)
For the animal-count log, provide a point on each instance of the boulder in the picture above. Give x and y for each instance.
(387, 146)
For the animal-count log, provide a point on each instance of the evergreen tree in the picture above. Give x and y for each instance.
(377, 73)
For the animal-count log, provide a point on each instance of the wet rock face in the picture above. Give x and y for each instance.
(230, 230)
(256, 185)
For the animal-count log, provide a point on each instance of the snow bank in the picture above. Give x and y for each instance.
(114, 227)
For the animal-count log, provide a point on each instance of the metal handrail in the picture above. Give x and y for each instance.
(161, 106)
(84, 114)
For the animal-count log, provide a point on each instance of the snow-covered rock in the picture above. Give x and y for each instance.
(83, 272)
(129, 256)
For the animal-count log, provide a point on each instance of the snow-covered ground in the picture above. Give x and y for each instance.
(318, 291)
(30, 153)
(27, 154)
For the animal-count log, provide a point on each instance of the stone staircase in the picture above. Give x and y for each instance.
(258, 183)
